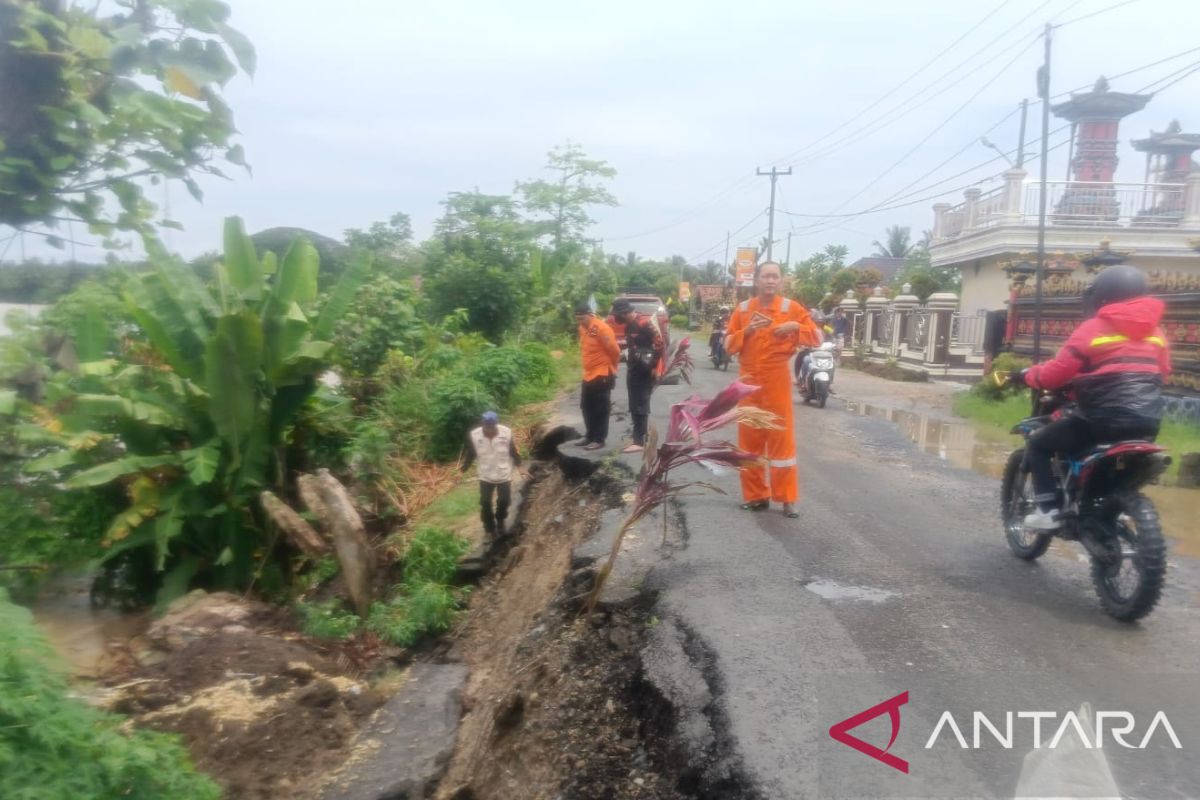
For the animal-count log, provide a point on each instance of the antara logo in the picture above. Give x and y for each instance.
(1070, 723)
(1118, 725)
(841, 731)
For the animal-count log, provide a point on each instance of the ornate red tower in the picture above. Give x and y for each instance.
(1168, 163)
(1095, 117)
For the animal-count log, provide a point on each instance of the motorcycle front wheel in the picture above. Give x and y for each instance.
(1016, 491)
(1130, 581)
(822, 394)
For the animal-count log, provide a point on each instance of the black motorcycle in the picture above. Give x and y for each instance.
(1101, 507)
(718, 354)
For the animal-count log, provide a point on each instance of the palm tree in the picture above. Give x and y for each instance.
(898, 242)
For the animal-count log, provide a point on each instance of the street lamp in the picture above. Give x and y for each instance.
(983, 140)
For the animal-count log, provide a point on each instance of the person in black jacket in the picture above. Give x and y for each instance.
(1116, 363)
(644, 345)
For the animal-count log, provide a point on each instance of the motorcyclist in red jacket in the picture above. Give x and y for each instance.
(1116, 362)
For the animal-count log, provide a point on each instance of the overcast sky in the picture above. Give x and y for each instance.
(367, 107)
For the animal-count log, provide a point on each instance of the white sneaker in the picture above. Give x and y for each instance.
(1042, 521)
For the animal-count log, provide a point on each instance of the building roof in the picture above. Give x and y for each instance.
(1173, 138)
(1100, 103)
(887, 265)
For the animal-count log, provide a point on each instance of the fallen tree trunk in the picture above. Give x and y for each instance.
(345, 528)
(294, 527)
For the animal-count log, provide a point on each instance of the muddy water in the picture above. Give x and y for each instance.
(953, 441)
(80, 634)
(956, 442)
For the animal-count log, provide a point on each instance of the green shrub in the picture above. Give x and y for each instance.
(46, 528)
(455, 405)
(499, 371)
(383, 317)
(52, 746)
(440, 358)
(679, 321)
(425, 601)
(1004, 363)
(327, 620)
(537, 365)
(432, 556)
(425, 608)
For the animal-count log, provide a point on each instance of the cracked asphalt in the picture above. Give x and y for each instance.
(896, 578)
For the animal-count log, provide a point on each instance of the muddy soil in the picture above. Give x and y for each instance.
(556, 705)
(263, 710)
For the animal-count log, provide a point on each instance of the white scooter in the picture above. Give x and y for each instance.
(816, 374)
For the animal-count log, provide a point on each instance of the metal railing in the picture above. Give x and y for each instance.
(967, 330)
(1123, 204)
(917, 330)
(1073, 203)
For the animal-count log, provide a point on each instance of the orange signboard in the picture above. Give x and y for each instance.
(747, 259)
(685, 291)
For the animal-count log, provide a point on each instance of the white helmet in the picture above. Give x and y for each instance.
(826, 346)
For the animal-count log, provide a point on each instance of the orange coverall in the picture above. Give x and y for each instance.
(764, 361)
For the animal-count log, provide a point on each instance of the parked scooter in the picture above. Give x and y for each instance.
(816, 373)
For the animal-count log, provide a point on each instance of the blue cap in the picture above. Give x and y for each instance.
(489, 418)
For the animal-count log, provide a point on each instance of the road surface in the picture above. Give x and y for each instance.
(896, 579)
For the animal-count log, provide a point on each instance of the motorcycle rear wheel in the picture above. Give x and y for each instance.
(1136, 530)
(1015, 493)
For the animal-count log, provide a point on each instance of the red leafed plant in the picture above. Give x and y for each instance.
(679, 359)
(685, 444)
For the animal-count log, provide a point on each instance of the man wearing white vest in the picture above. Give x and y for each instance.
(491, 444)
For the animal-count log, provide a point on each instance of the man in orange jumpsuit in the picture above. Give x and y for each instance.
(765, 332)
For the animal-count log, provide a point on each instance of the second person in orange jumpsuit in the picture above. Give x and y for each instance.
(765, 332)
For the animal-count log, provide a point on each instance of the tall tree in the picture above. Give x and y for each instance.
(577, 185)
(99, 102)
(479, 260)
(389, 243)
(898, 240)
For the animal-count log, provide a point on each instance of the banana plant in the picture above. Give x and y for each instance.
(194, 422)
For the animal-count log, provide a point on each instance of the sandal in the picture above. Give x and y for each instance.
(633, 448)
(756, 505)
(791, 513)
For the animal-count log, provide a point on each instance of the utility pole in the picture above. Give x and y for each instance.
(1044, 92)
(726, 262)
(1021, 143)
(774, 173)
(787, 261)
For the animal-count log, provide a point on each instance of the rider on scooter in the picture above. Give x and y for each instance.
(1117, 362)
(718, 332)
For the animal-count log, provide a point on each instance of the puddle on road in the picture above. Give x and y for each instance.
(953, 441)
(831, 590)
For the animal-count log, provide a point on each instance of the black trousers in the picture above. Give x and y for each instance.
(595, 401)
(641, 385)
(493, 521)
(1070, 436)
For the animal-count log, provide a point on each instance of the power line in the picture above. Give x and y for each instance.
(690, 213)
(899, 85)
(1133, 71)
(1094, 13)
(940, 126)
(964, 149)
(907, 107)
(926, 199)
(747, 224)
(1186, 71)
